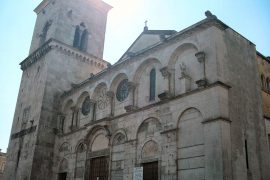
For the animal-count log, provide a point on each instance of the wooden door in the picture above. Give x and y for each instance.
(150, 171)
(99, 168)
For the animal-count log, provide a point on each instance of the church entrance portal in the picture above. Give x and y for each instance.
(62, 176)
(99, 168)
(150, 171)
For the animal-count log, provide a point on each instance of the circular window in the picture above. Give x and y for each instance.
(122, 90)
(86, 105)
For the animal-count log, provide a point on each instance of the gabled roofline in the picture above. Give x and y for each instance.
(156, 32)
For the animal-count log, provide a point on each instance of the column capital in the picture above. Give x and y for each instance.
(166, 72)
(110, 94)
(200, 56)
(132, 85)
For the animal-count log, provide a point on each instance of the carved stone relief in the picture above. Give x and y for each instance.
(102, 98)
(150, 149)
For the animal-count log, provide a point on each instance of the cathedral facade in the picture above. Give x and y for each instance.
(184, 105)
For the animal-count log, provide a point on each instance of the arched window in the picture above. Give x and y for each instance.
(81, 37)
(43, 35)
(152, 85)
(76, 41)
(84, 40)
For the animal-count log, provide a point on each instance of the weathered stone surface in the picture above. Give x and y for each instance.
(68, 116)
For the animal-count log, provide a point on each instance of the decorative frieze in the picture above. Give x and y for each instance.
(70, 51)
(36, 55)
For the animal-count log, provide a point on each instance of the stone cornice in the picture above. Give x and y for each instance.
(65, 49)
(41, 6)
(225, 119)
(36, 55)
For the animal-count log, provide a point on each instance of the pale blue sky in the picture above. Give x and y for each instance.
(251, 18)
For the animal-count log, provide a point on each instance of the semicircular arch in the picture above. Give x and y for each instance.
(178, 51)
(116, 80)
(143, 66)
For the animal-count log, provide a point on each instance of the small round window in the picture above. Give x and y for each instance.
(122, 90)
(86, 105)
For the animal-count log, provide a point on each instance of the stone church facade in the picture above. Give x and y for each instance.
(183, 105)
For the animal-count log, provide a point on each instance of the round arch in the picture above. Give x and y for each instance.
(144, 65)
(146, 121)
(91, 133)
(116, 80)
(178, 51)
(82, 97)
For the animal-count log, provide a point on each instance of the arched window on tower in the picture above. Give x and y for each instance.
(80, 37)
(84, 40)
(77, 37)
(43, 35)
(152, 85)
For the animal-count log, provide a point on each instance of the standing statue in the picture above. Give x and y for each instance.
(183, 69)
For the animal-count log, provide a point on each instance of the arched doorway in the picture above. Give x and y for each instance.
(97, 165)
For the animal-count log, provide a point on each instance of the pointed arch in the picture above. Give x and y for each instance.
(63, 166)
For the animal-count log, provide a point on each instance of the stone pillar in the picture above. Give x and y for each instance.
(132, 87)
(74, 118)
(201, 59)
(130, 159)
(60, 124)
(169, 155)
(110, 94)
(217, 140)
(166, 73)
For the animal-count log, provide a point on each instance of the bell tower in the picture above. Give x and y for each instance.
(67, 47)
(80, 23)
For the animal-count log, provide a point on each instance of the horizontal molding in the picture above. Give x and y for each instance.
(24, 132)
(65, 49)
(216, 119)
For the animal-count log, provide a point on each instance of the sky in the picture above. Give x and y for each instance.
(250, 18)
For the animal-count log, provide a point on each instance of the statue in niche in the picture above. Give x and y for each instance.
(183, 69)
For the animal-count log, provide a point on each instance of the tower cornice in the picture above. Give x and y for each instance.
(66, 49)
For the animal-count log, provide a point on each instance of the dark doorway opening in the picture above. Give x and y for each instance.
(150, 171)
(62, 176)
(99, 168)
